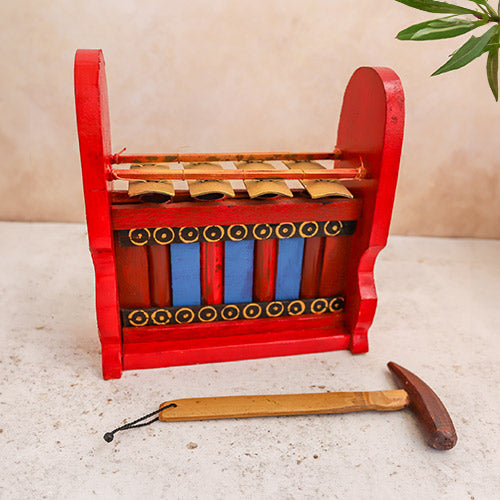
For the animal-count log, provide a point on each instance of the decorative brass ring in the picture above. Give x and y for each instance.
(324, 306)
(228, 315)
(248, 314)
(182, 310)
(141, 241)
(209, 236)
(294, 303)
(212, 314)
(273, 304)
(158, 321)
(134, 317)
(233, 231)
(189, 234)
(336, 304)
(258, 228)
(336, 227)
(166, 237)
(282, 230)
(309, 234)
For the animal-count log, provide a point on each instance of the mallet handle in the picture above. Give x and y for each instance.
(282, 404)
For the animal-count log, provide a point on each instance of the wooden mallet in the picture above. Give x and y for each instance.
(434, 419)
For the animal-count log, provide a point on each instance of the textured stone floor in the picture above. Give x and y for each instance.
(438, 315)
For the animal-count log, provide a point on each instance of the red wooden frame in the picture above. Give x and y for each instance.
(370, 133)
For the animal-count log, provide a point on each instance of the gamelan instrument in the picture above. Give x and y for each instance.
(434, 419)
(227, 256)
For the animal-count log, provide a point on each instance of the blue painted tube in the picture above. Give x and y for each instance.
(290, 254)
(185, 271)
(238, 271)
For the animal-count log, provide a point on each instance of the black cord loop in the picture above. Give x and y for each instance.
(109, 436)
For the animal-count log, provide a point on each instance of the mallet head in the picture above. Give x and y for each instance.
(433, 417)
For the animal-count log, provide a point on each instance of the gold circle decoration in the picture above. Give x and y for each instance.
(275, 309)
(333, 227)
(285, 230)
(138, 317)
(262, 231)
(237, 232)
(189, 234)
(296, 308)
(336, 304)
(161, 317)
(319, 306)
(163, 235)
(230, 312)
(184, 315)
(308, 229)
(213, 233)
(207, 314)
(252, 311)
(139, 237)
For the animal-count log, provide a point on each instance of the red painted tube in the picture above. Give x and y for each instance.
(333, 274)
(311, 267)
(264, 268)
(133, 276)
(159, 275)
(212, 272)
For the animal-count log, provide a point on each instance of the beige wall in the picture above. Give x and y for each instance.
(220, 75)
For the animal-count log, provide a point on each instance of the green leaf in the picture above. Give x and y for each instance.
(471, 49)
(491, 46)
(488, 7)
(439, 7)
(492, 72)
(435, 29)
(492, 64)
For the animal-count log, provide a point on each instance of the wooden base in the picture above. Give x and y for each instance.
(138, 355)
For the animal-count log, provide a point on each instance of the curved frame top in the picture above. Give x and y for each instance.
(371, 129)
(92, 116)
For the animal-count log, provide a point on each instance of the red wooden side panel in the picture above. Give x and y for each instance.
(311, 267)
(92, 117)
(264, 267)
(212, 272)
(159, 275)
(371, 129)
(333, 274)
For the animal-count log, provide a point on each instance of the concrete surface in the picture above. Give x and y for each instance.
(438, 315)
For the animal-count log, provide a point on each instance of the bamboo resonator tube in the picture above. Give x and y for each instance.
(244, 175)
(220, 174)
(210, 157)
